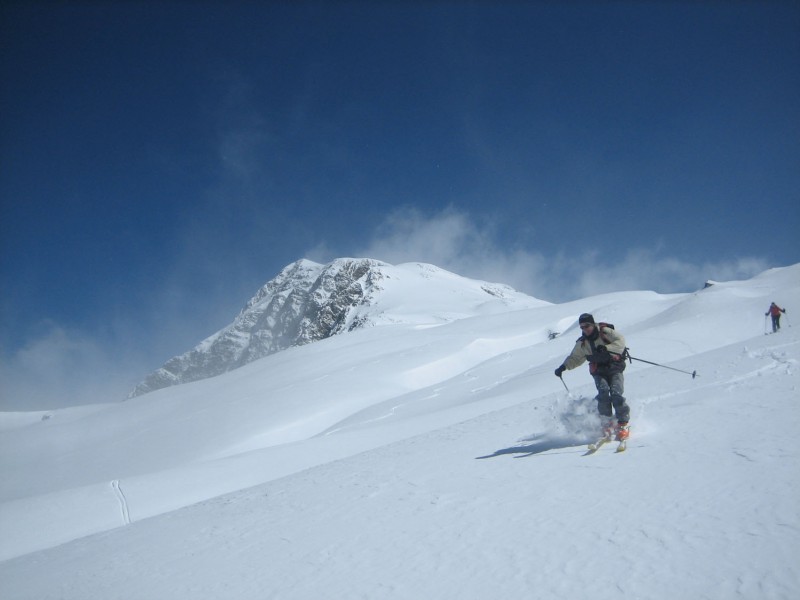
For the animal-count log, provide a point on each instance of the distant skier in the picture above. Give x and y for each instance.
(775, 312)
(604, 348)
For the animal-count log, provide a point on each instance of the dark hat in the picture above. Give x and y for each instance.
(586, 318)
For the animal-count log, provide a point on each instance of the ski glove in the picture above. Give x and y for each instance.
(560, 370)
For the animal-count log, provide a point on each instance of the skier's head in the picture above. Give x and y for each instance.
(586, 322)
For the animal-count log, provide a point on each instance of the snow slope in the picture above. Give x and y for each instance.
(409, 461)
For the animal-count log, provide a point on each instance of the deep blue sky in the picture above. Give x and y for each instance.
(161, 161)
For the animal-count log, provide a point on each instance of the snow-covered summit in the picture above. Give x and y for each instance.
(307, 302)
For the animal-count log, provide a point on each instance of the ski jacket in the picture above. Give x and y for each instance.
(586, 349)
(775, 310)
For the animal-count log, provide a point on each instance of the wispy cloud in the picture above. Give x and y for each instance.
(454, 240)
(62, 368)
(641, 269)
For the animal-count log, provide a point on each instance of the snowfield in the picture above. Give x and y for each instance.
(409, 461)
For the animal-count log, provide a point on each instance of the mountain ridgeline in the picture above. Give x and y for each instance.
(307, 302)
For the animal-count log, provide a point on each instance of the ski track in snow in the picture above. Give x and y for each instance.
(123, 502)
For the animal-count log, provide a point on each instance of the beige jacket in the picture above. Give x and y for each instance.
(610, 338)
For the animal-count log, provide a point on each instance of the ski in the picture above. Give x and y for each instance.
(608, 437)
(595, 446)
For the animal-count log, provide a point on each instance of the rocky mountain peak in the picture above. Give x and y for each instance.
(307, 302)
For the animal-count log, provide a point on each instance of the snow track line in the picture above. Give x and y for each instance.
(123, 502)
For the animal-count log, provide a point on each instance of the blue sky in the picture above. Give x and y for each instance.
(161, 161)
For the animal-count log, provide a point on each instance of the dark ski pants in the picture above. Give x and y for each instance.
(610, 387)
(776, 323)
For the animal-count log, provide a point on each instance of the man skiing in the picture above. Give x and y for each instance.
(604, 348)
(775, 312)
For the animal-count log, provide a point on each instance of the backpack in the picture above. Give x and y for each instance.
(602, 325)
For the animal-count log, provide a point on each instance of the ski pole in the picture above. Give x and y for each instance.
(564, 382)
(693, 373)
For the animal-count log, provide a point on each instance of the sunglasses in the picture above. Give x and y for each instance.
(587, 326)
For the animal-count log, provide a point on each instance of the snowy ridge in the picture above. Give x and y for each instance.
(404, 462)
(307, 302)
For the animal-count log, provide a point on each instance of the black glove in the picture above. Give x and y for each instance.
(560, 370)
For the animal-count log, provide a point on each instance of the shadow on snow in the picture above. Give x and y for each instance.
(538, 445)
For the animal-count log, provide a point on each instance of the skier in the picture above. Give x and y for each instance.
(775, 311)
(604, 348)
